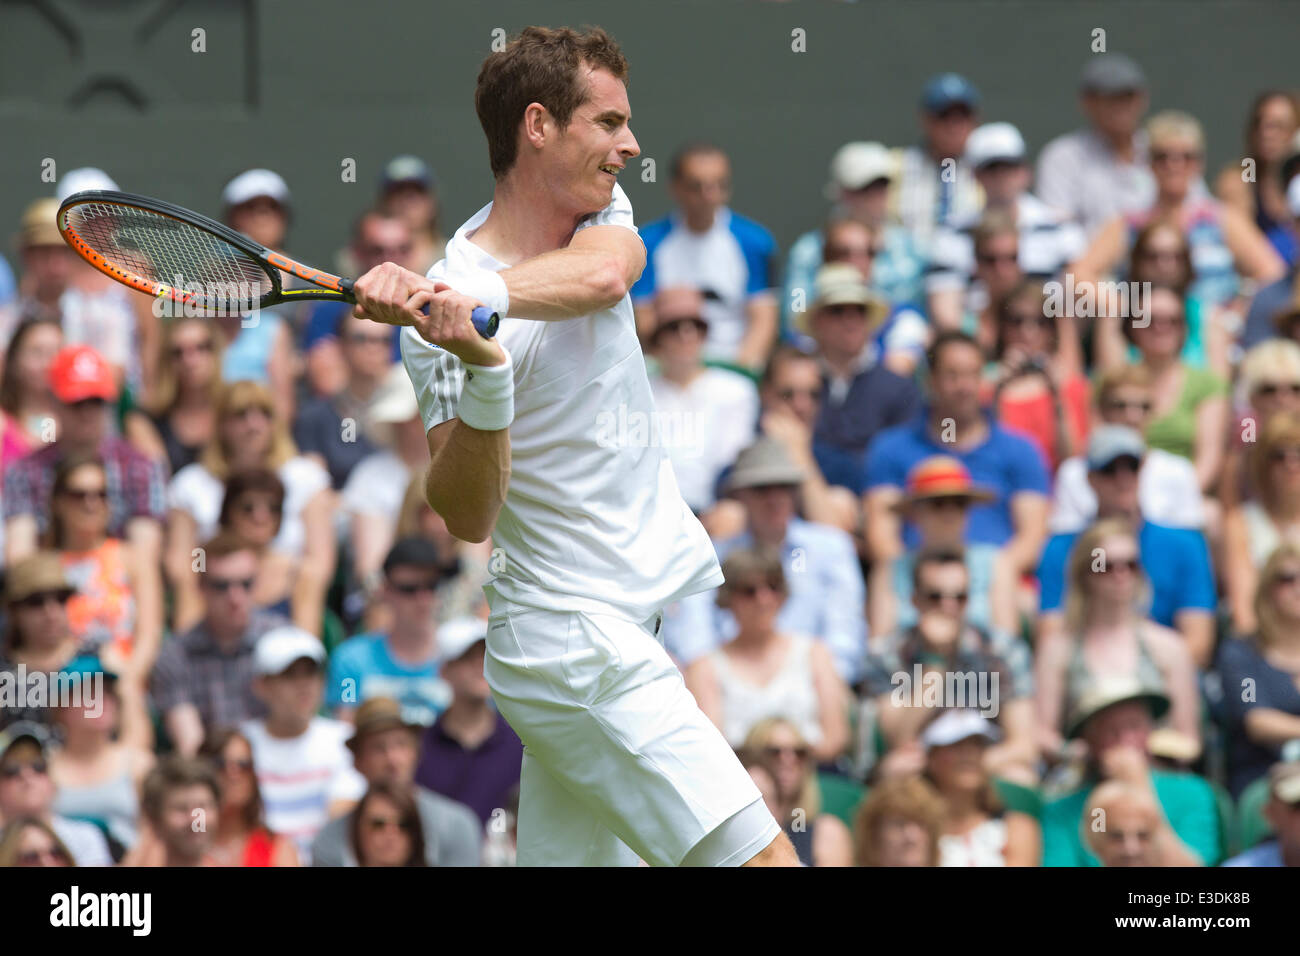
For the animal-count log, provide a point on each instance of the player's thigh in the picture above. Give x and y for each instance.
(557, 829)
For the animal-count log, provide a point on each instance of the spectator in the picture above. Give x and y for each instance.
(403, 662)
(820, 839)
(954, 424)
(303, 769)
(27, 792)
(899, 824)
(1220, 237)
(1100, 172)
(699, 409)
(1269, 382)
(179, 792)
(259, 348)
(47, 265)
(1122, 821)
(105, 614)
(409, 192)
(862, 175)
(860, 397)
(1175, 561)
(1108, 636)
(27, 406)
(764, 672)
(938, 498)
(385, 747)
(1168, 491)
(251, 433)
(987, 670)
(470, 754)
(1274, 296)
(1261, 197)
(995, 243)
(242, 838)
(84, 386)
(707, 246)
(1036, 384)
(204, 676)
(1048, 239)
(1114, 720)
(252, 510)
(978, 830)
(827, 593)
(37, 637)
(385, 829)
(106, 750)
(1283, 812)
(464, 564)
(1260, 674)
(31, 842)
(179, 419)
(934, 185)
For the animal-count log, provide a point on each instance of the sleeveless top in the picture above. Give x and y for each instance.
(790, 694)
(803, 842)
(178, 454)
(111, 804)
(1078, 678)
(1213, 266)
(258, 848)
(103, 609)
(982, 846)
(1262, 535)
(248, 355)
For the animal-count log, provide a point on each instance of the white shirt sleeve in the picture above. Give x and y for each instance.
(617, 213)
(438, 377)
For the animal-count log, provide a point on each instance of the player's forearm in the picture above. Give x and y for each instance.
(566, 283)
(468, 478)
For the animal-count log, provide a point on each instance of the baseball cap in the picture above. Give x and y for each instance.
(24, 730)
(412, 552)
(995, 142)
(36, 574)
(78, 372)
(457, 636)
(955, 725)
(941, 476)
(766, 462)
(86, 666)
(1109, 442)
(1293, 196)
(394, 400)
(1284, 781)
(279, 647)
(406, 169)
(38, 226)
(79, 180)
(948, 90)
(253, 183)
(857, 165)
(376, 715)
(1110, 73)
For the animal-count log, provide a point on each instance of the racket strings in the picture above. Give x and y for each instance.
(165, 250)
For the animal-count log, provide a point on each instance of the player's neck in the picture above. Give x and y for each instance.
(524, 222)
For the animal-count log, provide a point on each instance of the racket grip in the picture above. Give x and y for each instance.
(486, 321)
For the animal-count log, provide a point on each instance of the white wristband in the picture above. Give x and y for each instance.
(487, 401)
(486, 286)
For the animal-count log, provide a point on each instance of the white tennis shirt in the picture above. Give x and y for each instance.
(593, 519)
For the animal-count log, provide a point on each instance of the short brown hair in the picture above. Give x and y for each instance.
(172, 773)
(224, 544)
(911, 798)
(1123, 376)
(541, 65)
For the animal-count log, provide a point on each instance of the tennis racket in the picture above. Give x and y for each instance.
(166, 251)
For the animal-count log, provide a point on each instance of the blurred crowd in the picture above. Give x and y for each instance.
(1001, 459)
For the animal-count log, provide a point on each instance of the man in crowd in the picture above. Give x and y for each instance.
(1283, 812)
(179, 799)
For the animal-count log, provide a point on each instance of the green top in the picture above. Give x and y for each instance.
(1176, 431)
(1187, 800)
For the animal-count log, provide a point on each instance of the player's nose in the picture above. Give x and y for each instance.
(629, 147)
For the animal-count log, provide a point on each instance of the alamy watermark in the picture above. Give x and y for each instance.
(20, 689)
(1124, 300)
(636, 429)
(964, 690)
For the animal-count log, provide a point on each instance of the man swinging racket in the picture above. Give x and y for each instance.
(593, 536)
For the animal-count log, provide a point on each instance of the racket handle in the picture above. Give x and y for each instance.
(484, 319)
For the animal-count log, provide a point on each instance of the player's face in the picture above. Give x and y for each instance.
(596, 145)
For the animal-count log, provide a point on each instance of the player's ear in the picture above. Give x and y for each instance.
(538, 124)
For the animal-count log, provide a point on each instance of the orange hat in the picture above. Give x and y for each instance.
(78, 372)
(942, 477)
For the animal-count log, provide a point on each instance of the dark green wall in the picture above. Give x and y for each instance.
(299, 86)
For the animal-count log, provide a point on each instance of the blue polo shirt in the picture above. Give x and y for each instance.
(1175, 560)
(1005, 463)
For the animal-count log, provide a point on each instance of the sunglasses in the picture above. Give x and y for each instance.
(1269, 389)
(751, 589)
(1020, 321)
(1121, 464)
(376, 824)
(790, 394)
(89, 404)
(247, 410)
(222, 585)
(1168, 155)
(772, 753)
(85, 496)
(1128, 564)
(945, 503)
(990, 260)
(849, 252)
(938, 597)
(225, 764)
(203, 348)
(1286, 578)
(15, 770)
(43, 598)
(422, 587)
(1279, 455)
(39, 857)
(253, 506)
(677, 326)
(1119, 405)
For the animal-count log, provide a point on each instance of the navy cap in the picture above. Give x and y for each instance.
(406, 169)
(948, 90)
(1111, 73)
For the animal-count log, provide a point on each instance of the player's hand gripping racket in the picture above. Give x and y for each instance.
(166, 251)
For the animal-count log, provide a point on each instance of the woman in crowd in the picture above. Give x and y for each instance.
(252, 508)
(31, 842)
(104, 614)
(1269, 663)
(977, 829)
(1190, 404)
(106, 751)
(386, 829)
(1254, 529)
(1269, 382)
(762, 672)
(242, 836)
(1036, 384)
(36, 631)
(899, 824)
(26, 404)
(782, 756)
(1107, 636)
(251, 434)
(1261, 198)
(179, 419)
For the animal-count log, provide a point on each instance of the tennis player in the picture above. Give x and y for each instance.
(592, 536)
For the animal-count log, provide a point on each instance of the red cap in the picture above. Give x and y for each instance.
(79, 372)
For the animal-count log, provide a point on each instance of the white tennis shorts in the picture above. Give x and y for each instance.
(619, 760)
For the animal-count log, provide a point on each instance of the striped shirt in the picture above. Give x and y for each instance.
(923, 197)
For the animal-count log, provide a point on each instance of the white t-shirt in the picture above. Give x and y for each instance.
(301, 776)
(1168, 493)
(199, 493)
(703, 427)
(377, 486)
(593, 519)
